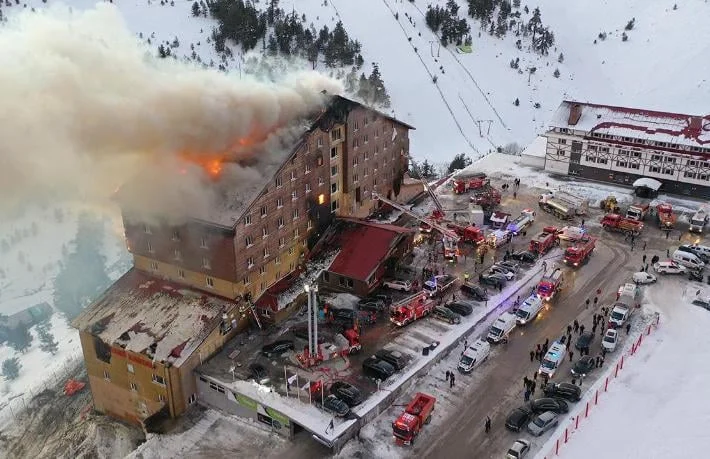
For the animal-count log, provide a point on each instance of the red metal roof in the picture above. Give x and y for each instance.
(364, 246)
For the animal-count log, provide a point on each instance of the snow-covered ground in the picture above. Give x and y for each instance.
(653, 408)
(36, 241)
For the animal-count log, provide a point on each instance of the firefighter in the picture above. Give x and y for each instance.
(466, 276)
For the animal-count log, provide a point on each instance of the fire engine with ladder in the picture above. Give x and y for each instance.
(449, 237)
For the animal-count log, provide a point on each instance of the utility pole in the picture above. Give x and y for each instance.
(480, 129)
(431, 47)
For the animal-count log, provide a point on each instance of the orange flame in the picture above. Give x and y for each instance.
(213, 163)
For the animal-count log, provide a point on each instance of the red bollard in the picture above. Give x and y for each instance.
(576, 422)
(616, 370)
(633, 348)
(621, 364)
(596, 397)
(566, 435)
(557, 448)
(586, 411)
(658, 318)
(606, 384)
(648, 332)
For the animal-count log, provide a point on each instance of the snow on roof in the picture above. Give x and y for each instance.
(536, 148)
(139, 311)
(669, 128)
(648, 183)
(314, 268)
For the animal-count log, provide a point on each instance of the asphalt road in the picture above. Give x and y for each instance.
(501, 388)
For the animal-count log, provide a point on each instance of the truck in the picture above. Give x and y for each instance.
(417, 413)
(486, 197)
(579, 204)
(499, 220)
(698, 221)
(470, 234)
(557, 208)
(543, 242)
(666, 217)
(439, 284)
(524, 220)
(637, 211)
(462, 184)
(411, 308)
(580, 252)
(550, 284)
(346, 343)
(626, 304)
(616, 222)
(498, 237)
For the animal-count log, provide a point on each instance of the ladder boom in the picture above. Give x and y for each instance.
(446, 232)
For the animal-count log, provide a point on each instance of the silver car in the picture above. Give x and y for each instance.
(519, 449)
(541, 424)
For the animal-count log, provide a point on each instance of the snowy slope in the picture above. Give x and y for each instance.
(655, 400)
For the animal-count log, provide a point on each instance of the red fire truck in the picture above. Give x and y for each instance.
(471, 234)
(580, 252)
(550, 284)
(412, 308)
(615, 222)
(666, 217)
(543, 242)
(407, 426)
(463, 184)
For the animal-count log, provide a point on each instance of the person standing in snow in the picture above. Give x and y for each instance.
(581, 329)
(448, 374)
(488, 424)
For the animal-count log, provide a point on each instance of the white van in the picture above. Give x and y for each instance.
(553, 358)
(474, 355)
(687, 259)
(501, 328)
(702, 250)
(528, 310)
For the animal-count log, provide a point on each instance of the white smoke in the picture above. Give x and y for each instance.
(85, 106)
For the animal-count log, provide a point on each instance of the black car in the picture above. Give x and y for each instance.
(492, 279)
(556, 405)
(584, 340)
(567, 391)
(333, 404)
(370, 306)
(460, 308)
(342, 314)
(518, 419)
(445, 314)
(583, 366)
(277, 347)
(524, 256)
(511, 265)
(258, 372)
(377, 368)
(394, 358)
(475, 291)
(386, 299)
(347, 393)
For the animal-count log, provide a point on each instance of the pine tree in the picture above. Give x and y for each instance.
(273, 46)
(161, 51)
(11, 368)
(19, 337)
(516, 4)
(195, 9)
(516, 102)
(535, 23)
(364, 91)
(377, 86)
(460, 161)
(556, 74)
(46, 339)
(561, 58)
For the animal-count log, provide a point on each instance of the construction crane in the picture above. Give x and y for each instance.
(439, 212)
(449, 237)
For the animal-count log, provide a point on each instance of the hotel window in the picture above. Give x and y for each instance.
(654, 169)
(295, 233)
(161, 397)
(668, 171)
(355, 161)
(107, 376)
(689, 175)
(282, 241)
(192, 399)
(147, 230)
(176, 235)
(602, 161)
(150, 246)
(366, 155)
(134, 387)
(249, 241)
(279, 203)
(333, 187)
(290, 252)
(247, 220)
(246, 280)
(334, 205)
(562, 141)
(356, 125)
(366, 138)
(308, 187)
(281, 222)
(291, 266)
(308, 168)
(266, 252)
(262, 271)
(203, 243)
(592, 148)
(365, 120)
(655, 157)
(295, 213)
(206, 263)
(250, 262)
(319, 160)
(310, 224)
(319, 142)
(181, 273)
(154, 265)
(158, 379)
(633, 166)
(293, 175)
(356, 142)
(177, 254)
(355, 178)
(334, 170)
(377, 132)
(603, 150)
(279, 183)
(130, 368)
(333, 152)
(264, 232)
(277, 260)
(321, 181)
(262, 211)
(621, 163)
(294, 196)
(335, 134)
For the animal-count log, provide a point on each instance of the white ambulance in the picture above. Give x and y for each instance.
(553, 359)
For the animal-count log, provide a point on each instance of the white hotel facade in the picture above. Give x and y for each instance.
(621, 145)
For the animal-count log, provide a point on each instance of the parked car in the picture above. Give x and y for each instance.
(372, 306)
(492, 279)
(386, 299)
(643, 277)
(584, 340)
(460, 308)
(541, 405)
(342, 314)
(583, 366)
(524, 256)
(377, 368)
(695, 250)
(567, 391)
(334, 405)
(373, 303)
(518, 418)
(511, 265)
(258, 372)
(475, 291)
(542, 423)
(397, 284)
(347, 393)
(446, 314)
(394, 358)
(610, 339)
(277, 348)
(502, 270)
(519, 449)
(669, 267)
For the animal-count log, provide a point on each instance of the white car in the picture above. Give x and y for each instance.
(509, 275)
(610, 339)
(401, 285)
(518, 450)
(571, 233)
(643, 277)
(669, 267)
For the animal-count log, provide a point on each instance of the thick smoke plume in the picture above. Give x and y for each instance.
(85, 107)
